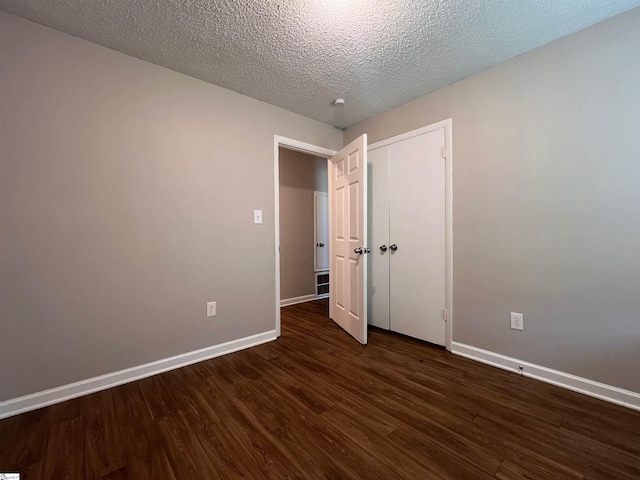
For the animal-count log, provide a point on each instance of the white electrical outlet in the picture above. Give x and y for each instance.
(517, 321)
(211, 309)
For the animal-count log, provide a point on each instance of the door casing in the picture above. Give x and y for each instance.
(296, 145)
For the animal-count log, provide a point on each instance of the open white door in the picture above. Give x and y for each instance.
(348, 238)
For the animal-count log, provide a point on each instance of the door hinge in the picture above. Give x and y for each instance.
(444, 314)
(444, 152)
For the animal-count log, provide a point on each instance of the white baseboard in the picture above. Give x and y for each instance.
(37, 400)
(588, 387)
(292, 301)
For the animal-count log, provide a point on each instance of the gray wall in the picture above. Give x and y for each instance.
(547, 201)
(300, 176)
(126, 203)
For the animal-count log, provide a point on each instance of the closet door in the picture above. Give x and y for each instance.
(378, 214)
(417, 228)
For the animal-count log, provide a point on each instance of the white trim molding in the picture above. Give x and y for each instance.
(45, 398)
(602, 391)
(413, 133)
(293, 301)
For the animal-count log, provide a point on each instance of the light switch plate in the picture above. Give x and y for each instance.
(257, 216)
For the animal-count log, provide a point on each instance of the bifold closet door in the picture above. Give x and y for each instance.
(417, 227)
(378, 202)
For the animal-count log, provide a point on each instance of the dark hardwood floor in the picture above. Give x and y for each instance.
(315, 404)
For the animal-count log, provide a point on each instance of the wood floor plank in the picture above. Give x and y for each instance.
(622, 439)
(8, 428)
(226, 452)
(480, 392)
(26, 440)
(146, 459)
(158, 396)
(428, 451)
(64, 455)
(585, 448)
(66, 410)
(366, 433)
(185, 452)
(301, 391)
(511, 471)
(342, 451)
(350, 372)
(538, 468)
(342, 396)
(258, 444)
(266, 351)
(548, 443)
(487, 400)
(104, 452)
(31, 472)
(120, 474)
(318, 463)
(248, 393)
(191, 398)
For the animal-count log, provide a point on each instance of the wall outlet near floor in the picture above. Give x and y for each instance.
(517, 321)
(211, 309)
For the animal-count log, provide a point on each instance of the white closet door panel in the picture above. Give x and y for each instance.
(378, 199)
(417, 227)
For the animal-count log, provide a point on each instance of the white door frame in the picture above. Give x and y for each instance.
(297, 146)
(447, 125)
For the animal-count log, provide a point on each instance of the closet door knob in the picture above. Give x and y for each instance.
(393, 247)
(358, 250)
(383, 248)
(319, 244)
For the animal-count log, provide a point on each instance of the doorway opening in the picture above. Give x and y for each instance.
(347, 194)
(304, 227)
(301, 223)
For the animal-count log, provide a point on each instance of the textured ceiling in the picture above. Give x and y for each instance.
(302, 54)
